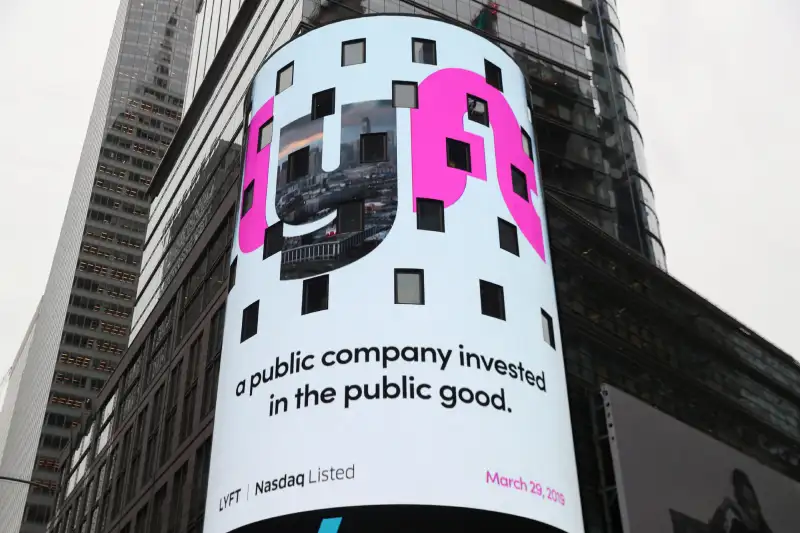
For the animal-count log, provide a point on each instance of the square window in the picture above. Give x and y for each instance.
(409, 286)
(265, 135)
(509, 240)
(273, 240)
(430, 215)
(527, 144)
(477, 110)
(285, 78)
(373, 147)
(404, 94)
(232, 274)
(494, 76)
(423, 51)
(519, 183)
(323, 103)
(249, 321)
(247, 197)
(354, 52)
(458, 155)
(350, 217)
(298, 164)
(492, 300)
(315, 294)
(547, 329)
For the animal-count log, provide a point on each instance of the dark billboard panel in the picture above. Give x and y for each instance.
(672, 478)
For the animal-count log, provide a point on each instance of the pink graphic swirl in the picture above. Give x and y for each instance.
(442, 104)
(256, 169)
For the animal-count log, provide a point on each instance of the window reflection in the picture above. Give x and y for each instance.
(647, 193)
(659, 257)
(651, 221)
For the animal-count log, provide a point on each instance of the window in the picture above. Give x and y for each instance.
(298, 164)
(175, 512)
(494, 76)
(423, 51)
(141, 520)
(265, 135)
(212, 362)
(409, 286)
(458, 155)
(492, 300)
(247, 198)
(404, 94)
(315, 294)
(323, 103)
(273, 240)
(547, 329)
(232, 275)
(518, 183)
(249, 321)
(38, 514)
(477, 110)
(354, 52)
(156, 519)
(527, 144)
(373, 147)
(430, 214)
(202, 460)
(285, 78)
(508, 236)
(350, 217)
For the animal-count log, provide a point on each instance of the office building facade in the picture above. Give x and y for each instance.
(84, 319)
(142, 463)
(13, 384)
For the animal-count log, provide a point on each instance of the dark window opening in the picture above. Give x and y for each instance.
(409, 286)
(323, 103)
(547, 329)
(458, 155)
(265, 135)
(350, 217)
(492, 300)
(232, 274)
(509, 240)
(354, 52)
(285, 78)
(494, 76)
(519, 183)
(430, 215)
(527, 144)
(298, 164)
(247, 197)
(315, 294)
(373, 147)
(477, 110)
(404, 94)
(423, 51)
(273, 240)
(249, 321)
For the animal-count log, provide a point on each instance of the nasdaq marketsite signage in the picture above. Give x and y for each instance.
(391, 351)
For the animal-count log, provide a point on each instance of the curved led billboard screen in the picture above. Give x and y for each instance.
(391, 354)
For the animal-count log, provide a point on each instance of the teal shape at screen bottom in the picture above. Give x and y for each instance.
(330, 525)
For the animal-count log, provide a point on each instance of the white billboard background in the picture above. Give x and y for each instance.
(403, 451)
(672, 478)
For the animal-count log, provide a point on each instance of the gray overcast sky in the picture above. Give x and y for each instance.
(716, 88)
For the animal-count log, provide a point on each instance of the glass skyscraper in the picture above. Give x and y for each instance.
(142, 462)
(83, 323)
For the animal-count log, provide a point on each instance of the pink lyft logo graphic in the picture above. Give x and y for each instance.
(256, 169)
(442, 102)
